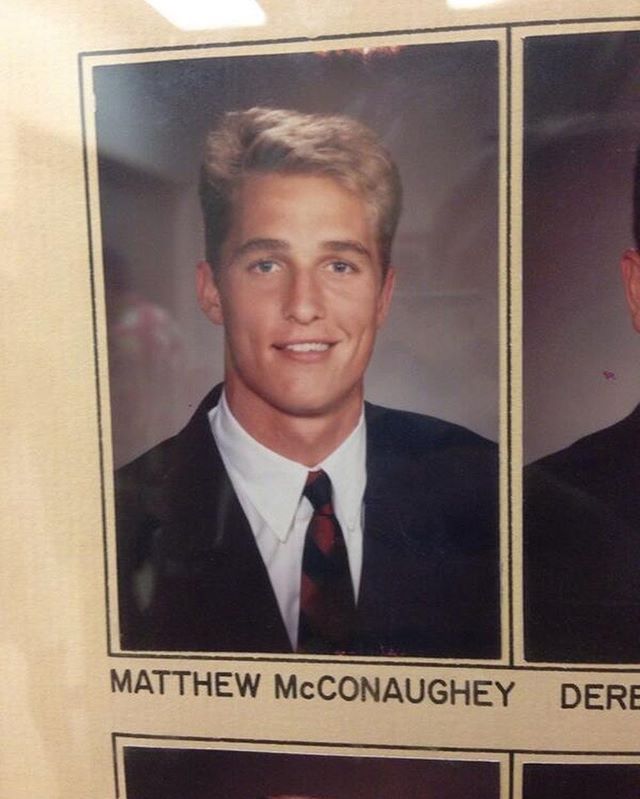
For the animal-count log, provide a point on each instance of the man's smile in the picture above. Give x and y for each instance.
(310, 351)
(305, 346)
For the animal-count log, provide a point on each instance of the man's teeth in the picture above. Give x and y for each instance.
(308, 346)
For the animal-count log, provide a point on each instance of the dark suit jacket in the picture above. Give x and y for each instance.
(582, 550)
(191, 577)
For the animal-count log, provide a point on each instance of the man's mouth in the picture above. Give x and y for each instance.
(307, 346)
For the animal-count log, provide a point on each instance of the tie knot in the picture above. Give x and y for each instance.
(318, 490)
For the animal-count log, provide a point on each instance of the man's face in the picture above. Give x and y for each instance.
(301, 294)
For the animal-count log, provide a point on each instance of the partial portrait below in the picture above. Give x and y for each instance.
(152, 773)
(580, 780)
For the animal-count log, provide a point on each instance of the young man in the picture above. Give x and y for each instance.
(581, 528)
(288, 515)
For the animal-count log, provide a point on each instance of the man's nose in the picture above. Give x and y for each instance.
(303, 302)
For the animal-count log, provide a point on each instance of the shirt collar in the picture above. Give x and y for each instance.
(274, 483)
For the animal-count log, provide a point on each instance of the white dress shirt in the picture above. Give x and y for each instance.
(269, 488)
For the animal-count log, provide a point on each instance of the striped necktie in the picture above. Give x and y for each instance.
(327, 604)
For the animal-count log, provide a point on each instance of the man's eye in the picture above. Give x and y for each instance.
(341, 267)
(265, 267)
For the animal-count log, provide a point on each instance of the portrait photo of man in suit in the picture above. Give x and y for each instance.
(581, 299)
(582, 523)
(290, 515)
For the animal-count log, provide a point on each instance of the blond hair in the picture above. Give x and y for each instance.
(266, 140)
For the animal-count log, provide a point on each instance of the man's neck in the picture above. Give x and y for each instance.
(305, 439)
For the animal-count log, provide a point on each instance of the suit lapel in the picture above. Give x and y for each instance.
(389, 558)
(410, 598)
(210, 537)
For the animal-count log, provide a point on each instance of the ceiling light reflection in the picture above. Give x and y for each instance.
(193, 15)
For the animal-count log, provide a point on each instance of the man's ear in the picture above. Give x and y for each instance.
(208, 294)
(386, 292)
(630, 266)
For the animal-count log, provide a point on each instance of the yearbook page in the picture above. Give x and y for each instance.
(321, 464)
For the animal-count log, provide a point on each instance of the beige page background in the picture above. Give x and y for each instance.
(58, 711)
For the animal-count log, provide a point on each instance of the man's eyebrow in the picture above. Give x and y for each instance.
(281, 245)
(260, 245)
(346, 245)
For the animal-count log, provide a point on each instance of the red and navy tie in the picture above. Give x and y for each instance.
(327, 604)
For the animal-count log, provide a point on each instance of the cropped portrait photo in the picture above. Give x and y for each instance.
(300, 260)
(581, 348)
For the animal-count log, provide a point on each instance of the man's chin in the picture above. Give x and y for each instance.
(293, 399)
(306, 409)
(316, 407)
